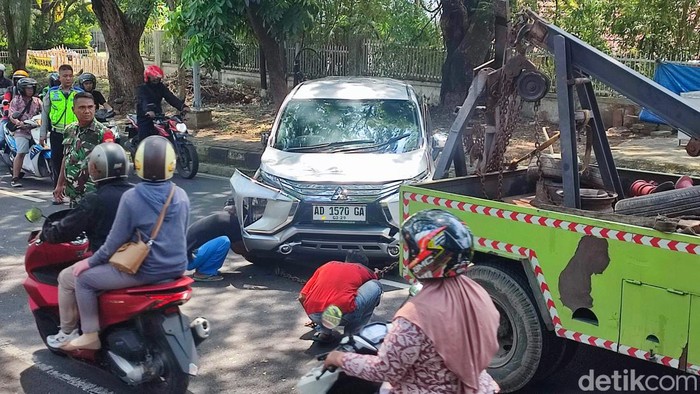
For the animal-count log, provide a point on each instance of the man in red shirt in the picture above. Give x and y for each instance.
(351, 286)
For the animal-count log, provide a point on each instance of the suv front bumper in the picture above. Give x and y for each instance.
(279, 229)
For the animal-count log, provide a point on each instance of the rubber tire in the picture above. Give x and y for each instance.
(671, 203)
(509, 290)
(551, 168)
(174, 383)
(191, 152)
(560, 353)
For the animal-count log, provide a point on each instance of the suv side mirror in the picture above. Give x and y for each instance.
(264, 137)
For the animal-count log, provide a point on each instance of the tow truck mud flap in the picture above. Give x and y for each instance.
(177, 332)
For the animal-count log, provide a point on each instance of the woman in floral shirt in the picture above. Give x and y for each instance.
(442, 340)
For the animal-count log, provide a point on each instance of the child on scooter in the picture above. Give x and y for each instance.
(25, 106)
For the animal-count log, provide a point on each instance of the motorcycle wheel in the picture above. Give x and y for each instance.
(172, 380)
(187, 161)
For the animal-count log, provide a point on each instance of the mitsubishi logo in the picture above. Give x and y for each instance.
(340, 194)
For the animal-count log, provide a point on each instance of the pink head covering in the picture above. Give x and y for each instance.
(458, 316)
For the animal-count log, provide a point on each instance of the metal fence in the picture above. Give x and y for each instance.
(4, 57)
(376, 58)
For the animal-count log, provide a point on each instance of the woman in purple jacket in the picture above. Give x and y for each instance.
(138, 211)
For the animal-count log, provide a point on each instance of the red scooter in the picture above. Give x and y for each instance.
(146, 340)
(175, 130)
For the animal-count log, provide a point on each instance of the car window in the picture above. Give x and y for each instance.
(389, 126)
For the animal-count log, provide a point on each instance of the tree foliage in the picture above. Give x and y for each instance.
(16, 18)
(61, 22)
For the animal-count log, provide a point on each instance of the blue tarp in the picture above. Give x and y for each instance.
(676, 78)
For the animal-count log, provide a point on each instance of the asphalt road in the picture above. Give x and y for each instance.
(257, 324)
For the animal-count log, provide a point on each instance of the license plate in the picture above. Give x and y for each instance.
(340, 213)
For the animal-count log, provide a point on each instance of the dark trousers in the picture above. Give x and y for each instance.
(146, 128)
(56, 140)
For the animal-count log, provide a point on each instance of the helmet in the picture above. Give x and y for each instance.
(109, 160)
(2, 67)
(54, 80)
(439, 244)
(87, 77)
(19, 74)
(26, 83)
(155, 159)
(152, 71)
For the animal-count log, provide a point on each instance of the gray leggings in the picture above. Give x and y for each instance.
(93, 281)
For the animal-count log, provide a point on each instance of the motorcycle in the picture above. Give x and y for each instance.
(105, 117)
(146, 340)
(334, 380)
(175, 130)
(38, 161)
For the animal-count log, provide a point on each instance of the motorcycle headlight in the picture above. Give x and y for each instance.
(253, 209)
(181, 127)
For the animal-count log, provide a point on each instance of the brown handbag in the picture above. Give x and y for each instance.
(129, 257)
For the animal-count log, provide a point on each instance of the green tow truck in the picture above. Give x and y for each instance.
(561, 270)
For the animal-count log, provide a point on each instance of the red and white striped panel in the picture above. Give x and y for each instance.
(599, 232)
(574, 335)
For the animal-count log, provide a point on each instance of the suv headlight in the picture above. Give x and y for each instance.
(268, 179)
(253, 209)
(418, 178)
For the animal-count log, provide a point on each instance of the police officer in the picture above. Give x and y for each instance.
(58, 114)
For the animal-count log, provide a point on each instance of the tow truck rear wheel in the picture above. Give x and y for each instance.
(527, 351)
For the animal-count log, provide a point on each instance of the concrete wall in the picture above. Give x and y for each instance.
(430, 91)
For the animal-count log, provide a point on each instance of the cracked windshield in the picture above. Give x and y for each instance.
(332, 125)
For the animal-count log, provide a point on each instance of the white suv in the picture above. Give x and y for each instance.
(329, 176)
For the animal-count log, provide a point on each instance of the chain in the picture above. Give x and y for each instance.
(538, 154)
(282, 274)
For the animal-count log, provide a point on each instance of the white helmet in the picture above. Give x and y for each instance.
(2, 67)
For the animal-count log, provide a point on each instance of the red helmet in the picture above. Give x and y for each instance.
(152, 71)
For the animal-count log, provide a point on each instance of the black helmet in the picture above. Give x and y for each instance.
(108, 161)
(87, 77)
(155, 159)
(25, 83)
(54, 80)
(439, 244)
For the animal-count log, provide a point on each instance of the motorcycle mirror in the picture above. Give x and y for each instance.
(331, 317)
(119, 101)
(16, 114)
(33, 215)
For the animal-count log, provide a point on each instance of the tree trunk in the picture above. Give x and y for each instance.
(122, 35)
(16, 17)
(274, 56)
(467, 34)
(178, 48)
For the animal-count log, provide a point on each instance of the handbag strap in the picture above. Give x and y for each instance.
(156, 229)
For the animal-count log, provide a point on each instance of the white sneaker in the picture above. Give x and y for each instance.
(58, 340)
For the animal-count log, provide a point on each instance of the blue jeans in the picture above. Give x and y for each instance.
(368, 297)
(210, 256)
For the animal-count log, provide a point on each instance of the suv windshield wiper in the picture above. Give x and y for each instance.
(327, 145)
(376, 146)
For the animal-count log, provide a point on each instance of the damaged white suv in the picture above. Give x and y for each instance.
(329, 177)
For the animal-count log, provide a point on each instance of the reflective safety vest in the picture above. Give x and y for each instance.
(61, 112)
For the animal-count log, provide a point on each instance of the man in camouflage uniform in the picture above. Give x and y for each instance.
(79, 140)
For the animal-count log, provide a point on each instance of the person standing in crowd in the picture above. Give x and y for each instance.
(4, 82)
(57, 116)
(79, 140)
